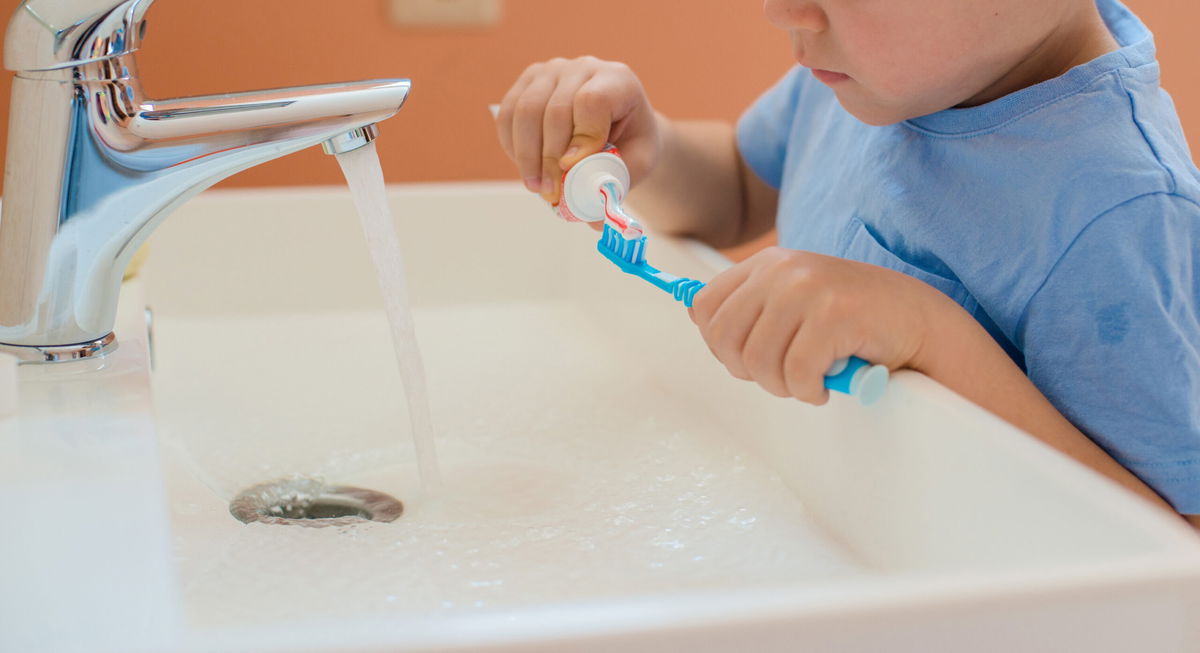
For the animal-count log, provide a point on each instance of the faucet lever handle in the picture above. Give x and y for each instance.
(53, 34)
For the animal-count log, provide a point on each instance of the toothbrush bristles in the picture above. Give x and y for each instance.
(633, 251)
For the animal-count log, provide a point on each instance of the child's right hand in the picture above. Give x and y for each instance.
(562, 110)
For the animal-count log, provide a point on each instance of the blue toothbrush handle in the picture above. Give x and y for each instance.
(857, 378)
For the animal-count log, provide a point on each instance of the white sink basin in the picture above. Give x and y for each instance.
(607, 486)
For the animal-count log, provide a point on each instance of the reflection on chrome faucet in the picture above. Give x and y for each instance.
(94, 165)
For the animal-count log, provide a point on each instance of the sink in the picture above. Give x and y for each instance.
(606, 485)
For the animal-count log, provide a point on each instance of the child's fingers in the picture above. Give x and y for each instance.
(558, 127)
(730, 326)
(507, 113)
(768, 342)
(807, 359)
(592, 119)
(527, 130)
(709, 299)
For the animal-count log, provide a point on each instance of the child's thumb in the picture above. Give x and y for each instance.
(581, 145)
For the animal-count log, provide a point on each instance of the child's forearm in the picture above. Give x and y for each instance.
(962, 356)
(697, 187)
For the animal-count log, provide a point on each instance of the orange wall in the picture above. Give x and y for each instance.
(707, 61)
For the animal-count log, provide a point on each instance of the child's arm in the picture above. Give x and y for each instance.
(781, 317)
(702, 188)
(960, 354)
(688, 176)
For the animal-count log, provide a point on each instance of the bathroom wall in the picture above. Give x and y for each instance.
(698, 59)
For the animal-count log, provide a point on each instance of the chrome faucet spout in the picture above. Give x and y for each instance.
(94, 165)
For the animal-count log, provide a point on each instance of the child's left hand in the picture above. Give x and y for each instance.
(782, 317)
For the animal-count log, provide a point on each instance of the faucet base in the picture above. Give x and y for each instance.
(27, 355)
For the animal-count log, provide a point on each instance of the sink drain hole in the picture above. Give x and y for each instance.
(309, 502)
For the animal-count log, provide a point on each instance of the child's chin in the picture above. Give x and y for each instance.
(872, 114)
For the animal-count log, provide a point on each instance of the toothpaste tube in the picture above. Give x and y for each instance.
(592, 191)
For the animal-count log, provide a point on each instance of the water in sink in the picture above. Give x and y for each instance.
(364, 175)
(557, 487)
(586, 459)
(575, 469)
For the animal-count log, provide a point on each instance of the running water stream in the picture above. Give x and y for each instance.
(365, 178)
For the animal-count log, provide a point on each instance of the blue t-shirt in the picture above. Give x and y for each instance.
(1065, 217)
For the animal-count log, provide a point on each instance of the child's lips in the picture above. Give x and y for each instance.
(828, 76)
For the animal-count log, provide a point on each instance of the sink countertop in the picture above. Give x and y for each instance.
(969, 527)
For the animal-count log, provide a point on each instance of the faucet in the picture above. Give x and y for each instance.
(94, 165)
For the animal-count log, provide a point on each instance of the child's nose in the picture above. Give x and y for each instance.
(805, 15)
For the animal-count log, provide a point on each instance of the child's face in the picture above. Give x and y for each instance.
(891, 60)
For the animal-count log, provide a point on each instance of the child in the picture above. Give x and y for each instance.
(995, 193)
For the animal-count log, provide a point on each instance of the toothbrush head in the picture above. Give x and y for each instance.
(613, 243)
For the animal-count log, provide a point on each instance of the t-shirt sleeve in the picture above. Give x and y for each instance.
(1113, 340)
(764, 129)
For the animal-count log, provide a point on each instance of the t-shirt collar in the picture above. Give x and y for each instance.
(1137, 49)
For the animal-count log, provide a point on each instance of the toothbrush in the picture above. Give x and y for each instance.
(625, 248)
(624, 243)
(592, 190)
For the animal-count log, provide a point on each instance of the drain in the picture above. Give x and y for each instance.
(309, 502)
